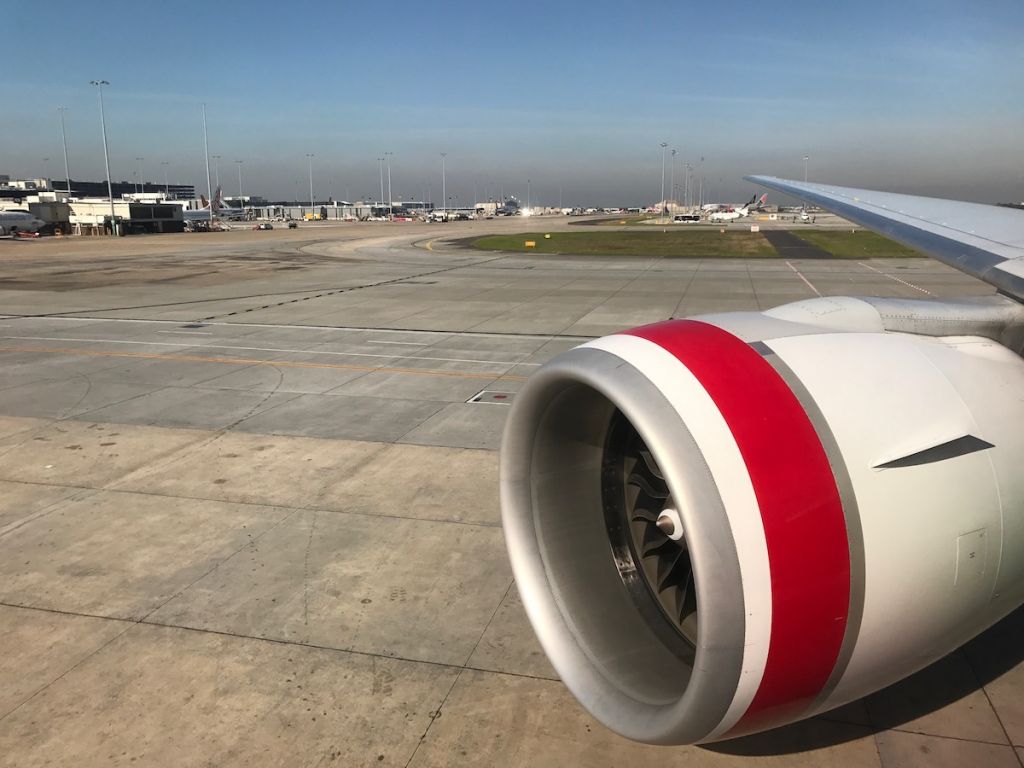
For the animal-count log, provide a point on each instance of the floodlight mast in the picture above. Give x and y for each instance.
(206, 154)
(380, 167)
(241, 205)
(664, 147)
(107, 156)
(64, 141)
(672, 179)
(391, 211)
(312, 201)
(444, 188)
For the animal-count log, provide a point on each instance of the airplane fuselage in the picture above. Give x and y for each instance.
(19, 221)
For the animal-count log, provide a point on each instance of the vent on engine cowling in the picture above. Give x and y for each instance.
(646, 536)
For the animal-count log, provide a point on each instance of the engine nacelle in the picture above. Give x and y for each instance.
(722, 525)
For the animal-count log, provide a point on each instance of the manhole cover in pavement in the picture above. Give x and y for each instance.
(492, 397)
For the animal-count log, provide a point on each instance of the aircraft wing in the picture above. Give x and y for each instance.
(985, 241)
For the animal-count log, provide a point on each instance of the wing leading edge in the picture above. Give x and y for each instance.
(984, 241)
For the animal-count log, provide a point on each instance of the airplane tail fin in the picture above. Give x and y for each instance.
(763, 199)
(204, 201)
(218, 203)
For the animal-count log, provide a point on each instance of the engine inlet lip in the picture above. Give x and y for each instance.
(719, 650)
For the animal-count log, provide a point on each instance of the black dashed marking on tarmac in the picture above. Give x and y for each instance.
(353, 288)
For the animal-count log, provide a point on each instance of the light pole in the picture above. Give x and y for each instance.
(216, 168)
(664, 147)
(806, 158)
(672, 177)
(206, 154)
(388, 155)
(688, 186)
(167, 186)
(444, 186)
(240, 203)
(380, 167)
(64, 141)
(106, 154)
(142, 184)
(528, 197)
(312, 202)
(700, 196)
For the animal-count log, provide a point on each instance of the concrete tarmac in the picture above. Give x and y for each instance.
(249, 514)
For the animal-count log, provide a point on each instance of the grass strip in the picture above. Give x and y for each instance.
(672, 244)
(861, 244)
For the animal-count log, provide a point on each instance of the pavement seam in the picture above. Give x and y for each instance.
(490, 621)
(252, 362)
(64, 416)
(434, 716)
(437, 712)
(686, 290)
(753, 288)
(949, 738)
(135, 622)
(70, 669)
(175, 456)
(639, 276)
(276, 641)
(984, 690)
(441, 407)
(266, 505)
(82, 494)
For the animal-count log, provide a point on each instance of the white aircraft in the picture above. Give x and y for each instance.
(213, 210)
(739, 212)
(724, 524)
(19, 221)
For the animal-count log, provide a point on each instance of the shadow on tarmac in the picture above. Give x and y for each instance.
(961, 673)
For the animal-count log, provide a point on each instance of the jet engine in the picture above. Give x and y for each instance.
(724, 524)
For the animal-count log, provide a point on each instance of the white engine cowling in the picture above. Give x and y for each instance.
(722, 525)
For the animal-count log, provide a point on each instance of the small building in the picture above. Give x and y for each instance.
(93, 216)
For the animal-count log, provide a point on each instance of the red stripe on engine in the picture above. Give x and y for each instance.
(808, 551)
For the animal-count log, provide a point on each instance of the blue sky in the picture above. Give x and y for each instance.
(923, 97)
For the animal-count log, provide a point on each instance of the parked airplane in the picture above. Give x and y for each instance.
(213, 210)
(19, 221)
(755, 201)
(724, 524)
(737, 213)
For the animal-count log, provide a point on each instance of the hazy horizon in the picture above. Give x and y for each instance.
(921, 98)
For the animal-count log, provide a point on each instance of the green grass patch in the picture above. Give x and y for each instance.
(861, 244)
(671, 244)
